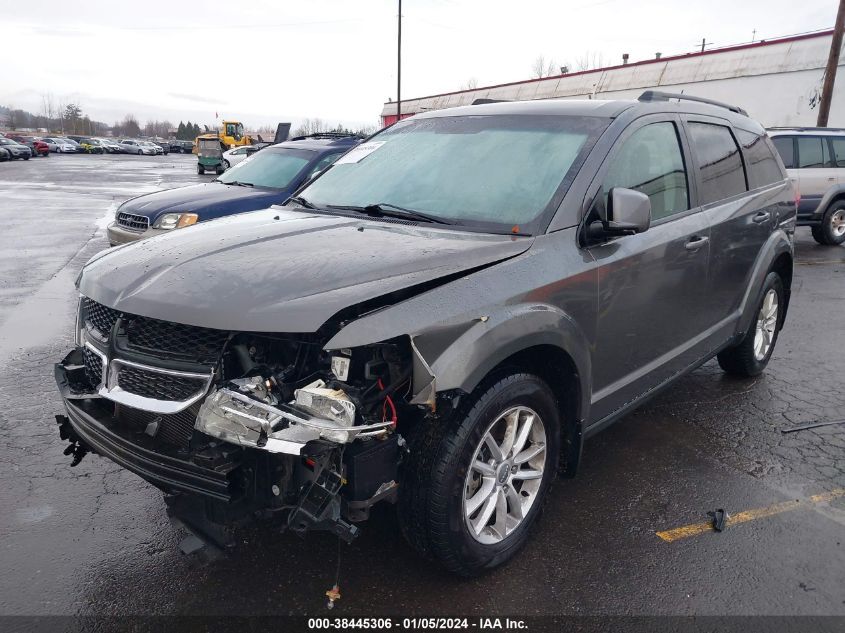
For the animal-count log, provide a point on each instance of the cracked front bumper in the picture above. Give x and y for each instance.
(90, 422)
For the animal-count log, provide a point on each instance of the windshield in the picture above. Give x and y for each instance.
(499, 171)
(274, 168)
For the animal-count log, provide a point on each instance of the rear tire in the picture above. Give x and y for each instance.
(831, 232)
(439, 512)
(200, 169)
(751, 355)
(226, 164)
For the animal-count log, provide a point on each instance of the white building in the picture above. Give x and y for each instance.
(778, 82)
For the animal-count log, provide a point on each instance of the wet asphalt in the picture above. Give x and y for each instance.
(94, 540)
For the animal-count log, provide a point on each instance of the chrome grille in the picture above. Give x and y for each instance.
(151, 384)
(133, 222)
(98, 315)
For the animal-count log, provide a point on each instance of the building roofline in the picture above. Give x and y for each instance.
(712, 51)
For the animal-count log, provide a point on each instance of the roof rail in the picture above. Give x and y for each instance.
(326, 135)
(803, 128)
(655, 95)
(483, 101)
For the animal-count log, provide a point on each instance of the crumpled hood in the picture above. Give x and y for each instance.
(279, 270)
(208, 200)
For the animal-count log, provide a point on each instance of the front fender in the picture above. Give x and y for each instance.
(778, 243)
(466, 360)
(458, 355)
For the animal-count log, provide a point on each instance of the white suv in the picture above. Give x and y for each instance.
(815, 161)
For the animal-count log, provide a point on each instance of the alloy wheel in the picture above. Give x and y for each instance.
(837, 223)
(767, 321)
(505, 475)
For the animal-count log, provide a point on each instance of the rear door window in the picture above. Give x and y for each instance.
(721, 172)
(786, 148)
(651, 161)
(762, 167)
(838, 144)
(813, 152)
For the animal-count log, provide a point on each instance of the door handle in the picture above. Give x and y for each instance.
(696, 242)
(761, 217)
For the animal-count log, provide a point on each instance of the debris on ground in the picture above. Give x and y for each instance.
(812, 425)
(720, 518)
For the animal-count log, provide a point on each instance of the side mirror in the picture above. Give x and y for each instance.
(628, 212)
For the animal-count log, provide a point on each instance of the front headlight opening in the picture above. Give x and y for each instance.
(171, 221)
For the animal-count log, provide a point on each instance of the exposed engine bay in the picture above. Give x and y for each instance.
(248, 424)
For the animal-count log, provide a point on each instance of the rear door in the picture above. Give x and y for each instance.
(816, 171)
(739, 191)
(837, 147)
(650, 285)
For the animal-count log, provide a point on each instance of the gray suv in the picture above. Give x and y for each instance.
(815, 161)
(438, 320)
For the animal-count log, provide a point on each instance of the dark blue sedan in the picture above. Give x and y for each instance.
(268, 177)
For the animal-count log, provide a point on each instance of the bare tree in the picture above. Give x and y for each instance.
(589, 60)
(310, 126)
(129, 126)
(470, 84)
(13, 118)
(48, 105)
(542, 68)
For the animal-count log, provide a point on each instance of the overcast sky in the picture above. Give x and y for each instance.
(263, 61)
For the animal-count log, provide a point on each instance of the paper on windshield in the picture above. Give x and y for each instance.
(359, 153)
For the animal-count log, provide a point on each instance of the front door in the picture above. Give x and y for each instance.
(651, 285)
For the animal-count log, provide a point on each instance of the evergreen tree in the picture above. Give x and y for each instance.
(180, 131)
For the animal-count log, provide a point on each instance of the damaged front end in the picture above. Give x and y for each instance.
(234, 425)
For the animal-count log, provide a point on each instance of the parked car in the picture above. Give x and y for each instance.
(157, 149)
(439, 319)
(181, 147)
(132, 146)
(269, 178)
(236, 155)
(91, 146)
(61, 145)
(815, 161)
(15, 149)
(36, 147)
(74, 144)
(110, 146)
(164, 146)
(40, 148)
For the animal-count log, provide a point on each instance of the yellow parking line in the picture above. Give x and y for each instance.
(749, 515)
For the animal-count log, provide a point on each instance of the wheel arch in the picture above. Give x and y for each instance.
(776, 255)
(556, 367)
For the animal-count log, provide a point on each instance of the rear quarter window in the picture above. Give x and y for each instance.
(721, 173)
(763, 168)
(786, 148)
(838, 144)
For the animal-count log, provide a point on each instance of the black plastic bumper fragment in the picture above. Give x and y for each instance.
(88, 433)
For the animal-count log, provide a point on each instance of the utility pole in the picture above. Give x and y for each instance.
(832, 64)
(399, 66)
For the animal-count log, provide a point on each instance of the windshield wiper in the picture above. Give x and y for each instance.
(386, 209)
(239, 183)
(302, 202)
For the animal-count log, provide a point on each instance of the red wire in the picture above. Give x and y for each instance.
(387, 401)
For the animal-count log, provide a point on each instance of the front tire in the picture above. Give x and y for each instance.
(200, 170)
(476, 480)
(751, 355)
